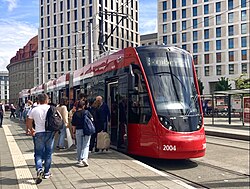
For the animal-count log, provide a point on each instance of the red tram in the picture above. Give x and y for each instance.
(153, 96)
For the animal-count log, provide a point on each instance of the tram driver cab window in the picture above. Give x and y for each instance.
(139, 109)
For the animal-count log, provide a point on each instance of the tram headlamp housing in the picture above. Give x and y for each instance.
(166, 123)
(199, 125)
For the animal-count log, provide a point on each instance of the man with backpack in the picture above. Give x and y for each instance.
(43, 139)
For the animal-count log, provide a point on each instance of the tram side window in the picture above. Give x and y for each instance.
(139, 109)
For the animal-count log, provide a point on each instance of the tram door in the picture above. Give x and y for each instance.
(113, 106)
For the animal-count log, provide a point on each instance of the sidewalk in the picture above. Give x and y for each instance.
(221, 128)
(106, 170)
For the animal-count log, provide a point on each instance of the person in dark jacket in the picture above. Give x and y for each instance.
(102, 115)
(82, 140)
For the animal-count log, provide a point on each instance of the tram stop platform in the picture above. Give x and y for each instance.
(106, 170)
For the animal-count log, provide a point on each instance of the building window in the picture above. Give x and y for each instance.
(164, 17)
(230, 17)
(61, 5)
(184, 47)
(164, 28)
(184, 25)
(174, 27)
(206, 21)
(75, 3)
(218, 44)
(218, 19)
(230, 30)
(218, 32)
(184, 3)
(195, 47)
(231, 56)
(49, 68)
(244, 68)
(206, 45)
(194, 1)
(230, 4)
(173, 4)
(206, 33)
(195, 11)
(218, 57)
(90, 11)
(69, 65)
(243, 3)
(231, 68)
(195, 57)
(206, 9)
(195, 23)
(218, 70)
(231, 43)
(174, 38)
(244, 15)
(244, 55)
(174, 15)
(206, 68)
(243, 41)
(184, 37)
(165, 40)
(164, 5)
(48, 21)
(243, 28)
(218, 6)
(206, 57)
(195, 35)
(184, 13)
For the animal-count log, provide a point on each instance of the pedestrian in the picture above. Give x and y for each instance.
(12, 111)
(102, 115)
(82, 140)
(1, 114)
(93, 110)
(27, 108)
(44, 140)
(62, 108)
(21, 109)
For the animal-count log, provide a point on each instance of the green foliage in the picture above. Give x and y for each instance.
(223, 84)
(201, 87)
(241, 82)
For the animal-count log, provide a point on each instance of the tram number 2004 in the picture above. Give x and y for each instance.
(169, 147)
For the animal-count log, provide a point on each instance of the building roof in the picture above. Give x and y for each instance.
(149, 36)
(27, 51)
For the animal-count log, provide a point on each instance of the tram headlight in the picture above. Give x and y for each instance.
(166, 123)
(199, 123)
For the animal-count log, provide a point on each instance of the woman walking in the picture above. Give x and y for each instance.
(62, 109)
(82, 140)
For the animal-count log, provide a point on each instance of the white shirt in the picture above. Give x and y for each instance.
(38, 114)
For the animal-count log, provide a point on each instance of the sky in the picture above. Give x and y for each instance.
(19, 22)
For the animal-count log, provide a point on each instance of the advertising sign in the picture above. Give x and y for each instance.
(246, 110)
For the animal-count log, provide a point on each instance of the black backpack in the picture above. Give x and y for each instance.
(88, 128)
(54, 121)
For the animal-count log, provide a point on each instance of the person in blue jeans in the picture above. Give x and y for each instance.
(43, 140)
(82, 140)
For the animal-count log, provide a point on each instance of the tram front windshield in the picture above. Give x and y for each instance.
(171, 80)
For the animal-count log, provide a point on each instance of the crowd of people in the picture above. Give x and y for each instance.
(73, 119)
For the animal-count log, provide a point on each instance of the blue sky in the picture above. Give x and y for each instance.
(19, 22)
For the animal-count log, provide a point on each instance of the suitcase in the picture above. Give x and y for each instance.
(103, 140)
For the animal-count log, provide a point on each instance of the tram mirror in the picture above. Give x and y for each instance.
(131, 79)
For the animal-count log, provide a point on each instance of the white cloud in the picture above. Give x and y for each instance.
(11, 4)
(14, 35)
(148, 16)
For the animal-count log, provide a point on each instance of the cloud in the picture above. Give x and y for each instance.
(14, 35)
(11, 4)
(147, 16)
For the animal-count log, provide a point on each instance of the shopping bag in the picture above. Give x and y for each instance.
(69, 138)
(103, 140)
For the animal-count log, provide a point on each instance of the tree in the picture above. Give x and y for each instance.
(241, 82)
(222, 84)
(201, 87)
